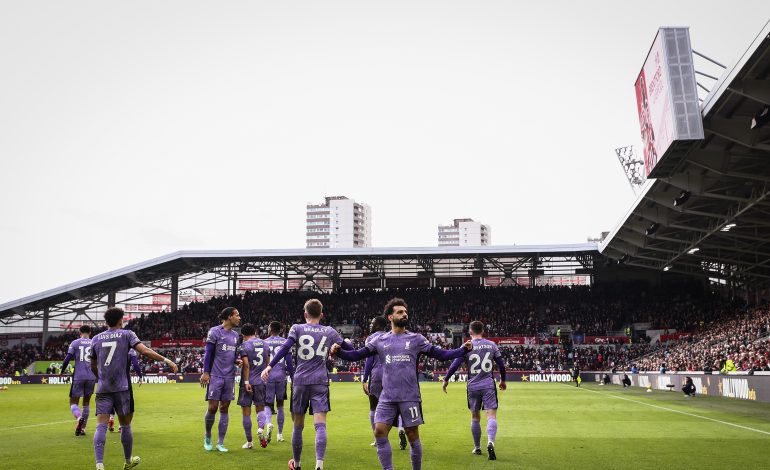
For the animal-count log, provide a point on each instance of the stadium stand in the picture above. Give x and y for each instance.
(742, 339)
(506, 311)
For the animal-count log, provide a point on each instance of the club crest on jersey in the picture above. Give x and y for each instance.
(407, 345)
(387, 359)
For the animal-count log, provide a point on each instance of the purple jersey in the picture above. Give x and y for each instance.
(80, 349)
(279, 372)
(312, 343)
(398, 356)
(110, 349)
(225, 347)
(258, 354)
(480, 362)
(376, 373)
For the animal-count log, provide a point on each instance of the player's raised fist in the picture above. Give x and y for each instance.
(334, 349)
(468, 345)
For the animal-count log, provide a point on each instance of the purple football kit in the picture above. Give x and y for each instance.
(400, 395)
(310, 385)
(222, 345)
(83, 379)
(110, 350)
(482, 393)
(398, 354)
(275, 388)
(373, 369)
(257, 352)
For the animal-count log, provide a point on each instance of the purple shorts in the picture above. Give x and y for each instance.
(310, 398)
(256, 397)
(275, 391)
(375, 389)
(120, 403)
(485, 399)
(388, 413)
(221, 389)
(82, 388)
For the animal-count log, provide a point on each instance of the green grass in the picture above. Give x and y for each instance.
(541, 426)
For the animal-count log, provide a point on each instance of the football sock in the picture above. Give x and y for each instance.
(247, 427)
(127, 439)
(261, 420)
(371, 418)
(384, 453)
(400, 424)
(491, 429)
(209, 420)
(280, 417)
(224, 420)
(320, 440)
(296, 444)
(416, 454)
(100, 436)
(84, 416)
(268, 413)
(476, 432)
(75, 411)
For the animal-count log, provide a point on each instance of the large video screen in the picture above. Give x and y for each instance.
(667, 97)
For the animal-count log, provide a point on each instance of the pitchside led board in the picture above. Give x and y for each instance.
(667, 101)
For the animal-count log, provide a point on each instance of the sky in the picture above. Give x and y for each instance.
(129, 130)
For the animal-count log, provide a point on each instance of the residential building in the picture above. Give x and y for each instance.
(464, 232)
(338, 222)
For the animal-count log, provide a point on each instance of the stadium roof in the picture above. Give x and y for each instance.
(720, 225)
(353, 266)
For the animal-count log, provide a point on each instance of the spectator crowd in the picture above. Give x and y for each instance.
(719, 331)
(735, 343)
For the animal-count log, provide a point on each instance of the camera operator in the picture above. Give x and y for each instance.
(689, 387)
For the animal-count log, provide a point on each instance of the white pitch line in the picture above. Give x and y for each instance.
(747, 428)
(37, 425)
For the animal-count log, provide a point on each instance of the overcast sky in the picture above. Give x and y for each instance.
(132, 129)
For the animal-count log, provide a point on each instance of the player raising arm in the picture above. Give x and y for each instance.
(310, 386)
(109, 362)
(398, 351)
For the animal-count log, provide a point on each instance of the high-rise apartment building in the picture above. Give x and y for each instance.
(338, 223)
(464, 232)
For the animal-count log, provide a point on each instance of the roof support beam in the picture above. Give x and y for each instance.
(756, 90)
(736, 131)
(759, 196)
(701, 161)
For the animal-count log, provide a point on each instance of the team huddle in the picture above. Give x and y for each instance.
(390, 380)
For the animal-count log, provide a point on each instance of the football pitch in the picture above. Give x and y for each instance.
(541, 426)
